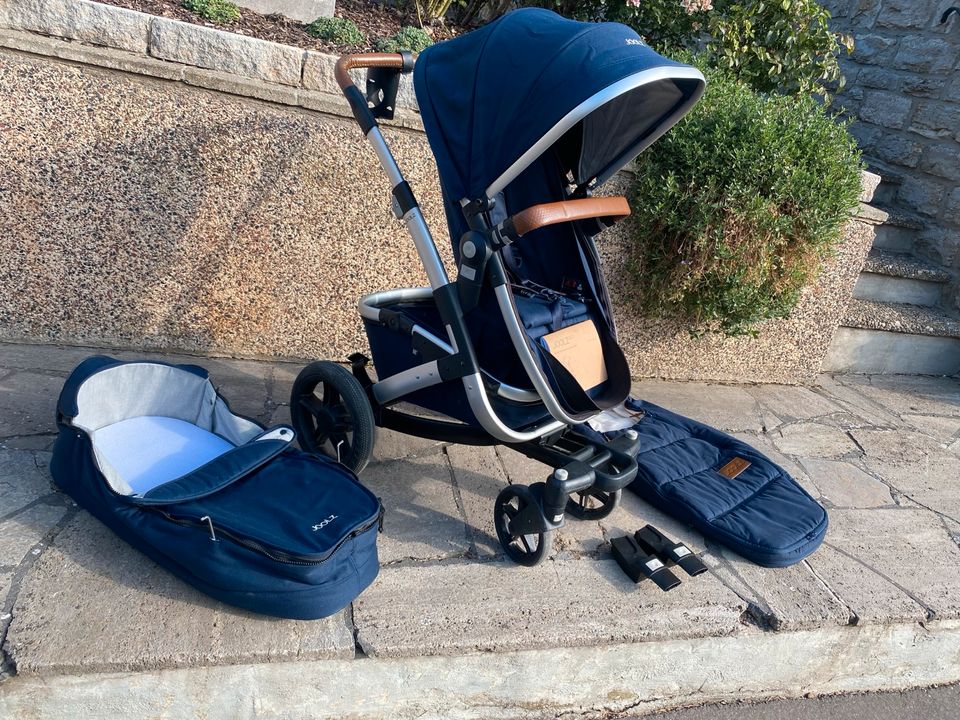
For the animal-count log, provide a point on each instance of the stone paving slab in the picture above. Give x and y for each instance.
(24, 478)
(92, 604)
(876, 451)
(866, 409)
(944, 429)
(18, 534)
(915, 465)
(28, 403)
(869, 595)
(457, 608)
(729, 407)
(791, 403)
(845, 485)
(791, 598)
(910, 548)
(909, 394)
(479, 476)
(422, 519)
(814, 440)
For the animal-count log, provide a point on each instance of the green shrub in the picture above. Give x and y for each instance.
(337, 30)
(782, 45)
(408, 38)
(785, 46)
(667, 25)
(737, 206)
(219, 11)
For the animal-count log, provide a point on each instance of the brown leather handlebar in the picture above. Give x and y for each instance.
(538, 216)
(366, 60)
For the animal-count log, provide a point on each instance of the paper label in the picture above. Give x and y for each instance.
(578, 349)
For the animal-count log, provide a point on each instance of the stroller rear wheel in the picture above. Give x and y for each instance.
(593, 504)
(517, 507)
(332, 415)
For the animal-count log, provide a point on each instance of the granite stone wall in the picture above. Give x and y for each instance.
(903, 88)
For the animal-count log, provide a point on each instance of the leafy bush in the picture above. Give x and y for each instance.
(786, 45)
(666, 25)
(408, 38)
(340, 31)
(219, 11)
(738, 205)
(782, 45)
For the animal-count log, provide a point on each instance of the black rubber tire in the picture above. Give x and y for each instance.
(328, 406)
(593, 504)
(526, 550)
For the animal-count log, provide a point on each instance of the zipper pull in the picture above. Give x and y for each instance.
(380, 518)
(209, 521)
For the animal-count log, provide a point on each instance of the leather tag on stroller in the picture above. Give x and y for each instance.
(578, 349)
(734, 468)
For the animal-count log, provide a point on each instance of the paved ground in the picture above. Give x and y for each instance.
(877, 607)
(939, 703)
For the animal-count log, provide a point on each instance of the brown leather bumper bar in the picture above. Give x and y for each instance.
(538, 216)
(367, 60)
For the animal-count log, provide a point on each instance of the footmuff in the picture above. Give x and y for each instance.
(723, 487)
(230, 507)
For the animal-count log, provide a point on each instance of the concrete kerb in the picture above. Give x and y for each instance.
(592, 682)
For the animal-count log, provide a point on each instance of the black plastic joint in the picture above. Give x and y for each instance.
(408, 61)
(480, 205)
(404, 198)
(396, 321)
(361, 112)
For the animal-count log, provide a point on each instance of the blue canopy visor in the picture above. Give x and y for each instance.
(495, 100)
(600, 136)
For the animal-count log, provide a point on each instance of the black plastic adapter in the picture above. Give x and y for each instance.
(654, 542)
(639, 565)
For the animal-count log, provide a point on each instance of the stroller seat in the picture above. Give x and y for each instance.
(541, 316)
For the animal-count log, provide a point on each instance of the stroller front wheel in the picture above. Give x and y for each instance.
(516, 513)
(592, 504)
(331, 414)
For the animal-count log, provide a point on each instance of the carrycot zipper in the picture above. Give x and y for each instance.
(273, 553)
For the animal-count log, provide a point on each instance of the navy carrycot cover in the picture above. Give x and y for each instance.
(232, 508)
(724, 488)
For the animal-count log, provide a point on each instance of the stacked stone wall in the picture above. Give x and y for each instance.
(903, 89)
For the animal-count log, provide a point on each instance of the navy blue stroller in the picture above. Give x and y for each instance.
(526, 117)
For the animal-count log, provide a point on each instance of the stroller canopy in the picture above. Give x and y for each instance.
(496, 99)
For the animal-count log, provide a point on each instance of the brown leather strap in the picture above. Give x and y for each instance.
(367, 60)
(538, 216)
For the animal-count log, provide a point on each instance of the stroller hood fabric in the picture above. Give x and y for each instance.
(508, 91)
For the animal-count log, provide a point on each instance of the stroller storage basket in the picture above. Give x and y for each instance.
(393, 353)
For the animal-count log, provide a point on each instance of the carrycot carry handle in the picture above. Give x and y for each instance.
(611, 209)
(346, 63)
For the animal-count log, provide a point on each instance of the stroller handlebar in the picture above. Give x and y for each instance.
(538, 216)
(346, 63)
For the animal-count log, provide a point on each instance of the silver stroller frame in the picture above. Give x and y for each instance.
(594, 471)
